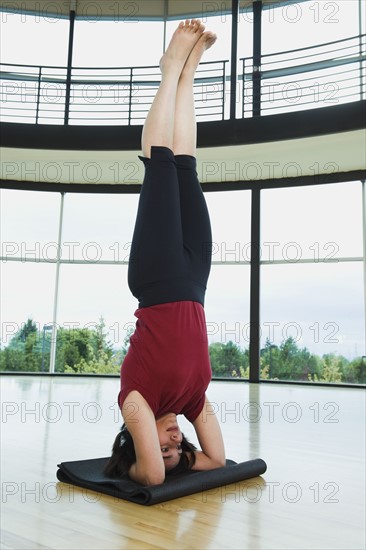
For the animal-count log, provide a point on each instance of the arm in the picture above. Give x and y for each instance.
(149, 467)
(210, 439)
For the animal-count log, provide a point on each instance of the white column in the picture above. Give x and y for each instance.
(55, 301)
(364, 252)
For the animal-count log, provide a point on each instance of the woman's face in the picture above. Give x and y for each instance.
(170, 438)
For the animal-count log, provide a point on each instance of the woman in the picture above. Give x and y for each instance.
(167, 370)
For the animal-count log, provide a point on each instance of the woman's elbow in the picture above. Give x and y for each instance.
(154, 479)
(219, 462)
(146, 476)
(219, 458)
(222, 462)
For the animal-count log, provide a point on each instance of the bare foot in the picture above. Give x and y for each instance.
(181, 45)
(206, 40)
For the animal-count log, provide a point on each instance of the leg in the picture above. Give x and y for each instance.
(158, 249)
(159, 125)
(169, 261)
(185, 132)
(195, 220)
(157, 244)
(197, 239)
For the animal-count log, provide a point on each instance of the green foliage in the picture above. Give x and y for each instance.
(88, 351)
(85, 351)
(355, 371)
(331, 371)
(77, 351)
(286, 362)
(100, 363)
(228, 360)
(23, 354)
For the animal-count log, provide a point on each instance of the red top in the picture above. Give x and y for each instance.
(168, 360)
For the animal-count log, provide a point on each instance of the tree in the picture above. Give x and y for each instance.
(228, 359)
(331, 370)
(86, 351)
(269, 361)
(27, 329)
(101, 347)
(354, 371)
(288, 361)
(23, 354)
(102, 364)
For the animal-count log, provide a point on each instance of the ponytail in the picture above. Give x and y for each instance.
(123, 455)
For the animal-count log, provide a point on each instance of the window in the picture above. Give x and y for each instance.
(312, 304)
(228, 289)
(98, 227)
(95, 317)
(27, 293)
(315, 223)
(35, 93)
(29, 224)
(289, 26)
(119, 43)
(34, 39)
(312, 321)
(29, 235)
(311, 56)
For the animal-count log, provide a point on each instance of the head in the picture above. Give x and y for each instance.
(170, 439)
(176, 450)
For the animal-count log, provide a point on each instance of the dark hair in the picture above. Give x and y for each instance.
(123, 456)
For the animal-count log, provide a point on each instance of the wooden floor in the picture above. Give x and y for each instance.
(311, 497)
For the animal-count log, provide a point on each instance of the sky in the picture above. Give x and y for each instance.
(321, 304)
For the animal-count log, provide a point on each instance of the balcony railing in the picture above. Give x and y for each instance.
(99, 95)
(319, 76)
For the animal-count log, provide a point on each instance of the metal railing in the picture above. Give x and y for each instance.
(99, 95)
(30, 93)
(318, 76)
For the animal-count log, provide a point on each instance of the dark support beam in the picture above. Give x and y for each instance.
(254, 342)
(257, 56)
(69, 66)
(234, 57)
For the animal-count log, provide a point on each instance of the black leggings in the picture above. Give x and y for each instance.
(171, 249)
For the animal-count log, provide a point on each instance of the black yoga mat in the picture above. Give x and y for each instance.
(89, 475)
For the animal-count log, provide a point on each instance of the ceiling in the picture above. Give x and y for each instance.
(153, 9)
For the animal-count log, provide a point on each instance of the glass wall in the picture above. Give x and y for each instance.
(29, 244)
(131, 42)
(312, 287)
(228, 289)
(319, 76)
(115, 71)
(287, 26)
(34, 39)
(37, 91)
(312, 283)
(95, 309)
(93, 293)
